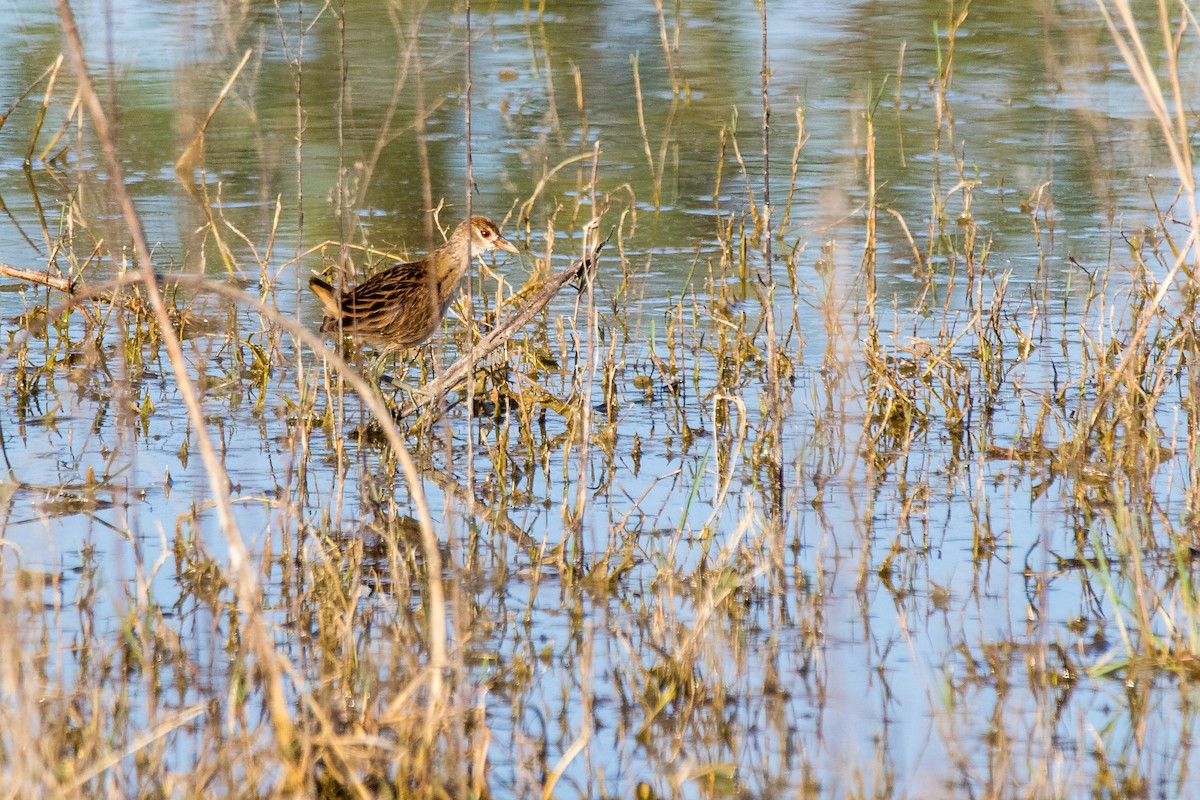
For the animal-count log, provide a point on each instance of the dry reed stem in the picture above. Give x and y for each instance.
(525, 211)
(246, 585)
(1175, 136)
(655, 172)
(193, 158)
(666, 46)
(41, 116)
(146, 738)
(194, 152)
(1141, 68)
(585, 734)
(766, 290)
(53, 68)
(591, 357)
(59, 134)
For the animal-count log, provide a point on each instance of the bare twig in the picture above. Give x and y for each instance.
(38, 278)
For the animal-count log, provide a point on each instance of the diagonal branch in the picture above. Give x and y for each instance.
(460, 370)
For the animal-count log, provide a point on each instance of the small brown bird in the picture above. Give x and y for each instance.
(401, 306)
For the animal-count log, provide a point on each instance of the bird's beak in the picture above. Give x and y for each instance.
(505, 244)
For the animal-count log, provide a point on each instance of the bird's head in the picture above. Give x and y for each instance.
(484, 236)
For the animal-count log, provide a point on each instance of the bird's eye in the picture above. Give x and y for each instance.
(485, 234)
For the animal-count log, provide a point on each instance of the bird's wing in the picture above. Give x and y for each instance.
(400, 301)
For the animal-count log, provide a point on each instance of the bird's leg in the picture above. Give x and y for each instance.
(373, 369)
(402, 373)
(430, 363)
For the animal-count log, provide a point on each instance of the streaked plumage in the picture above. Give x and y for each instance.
(401, 306)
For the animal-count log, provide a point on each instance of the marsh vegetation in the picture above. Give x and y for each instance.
(863, 463)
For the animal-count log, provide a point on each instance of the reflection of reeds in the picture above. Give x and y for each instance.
(246, 581)
(1128, 392)
(41, 117)
(50, 75)
(701, 531)
(191, 161)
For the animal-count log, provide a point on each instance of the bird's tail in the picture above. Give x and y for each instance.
(324, 292)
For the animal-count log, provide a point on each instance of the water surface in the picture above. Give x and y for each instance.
(857, 608)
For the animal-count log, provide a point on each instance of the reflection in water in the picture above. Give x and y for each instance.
(967, 524)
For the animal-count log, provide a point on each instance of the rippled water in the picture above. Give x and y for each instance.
(875, 613)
